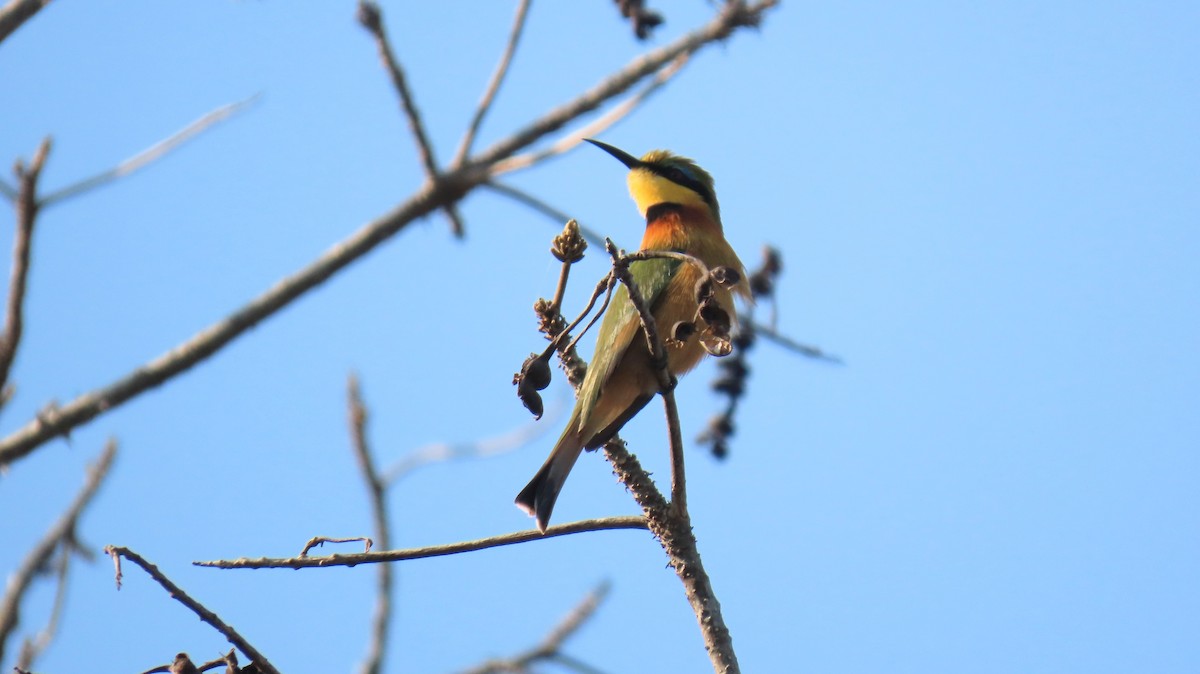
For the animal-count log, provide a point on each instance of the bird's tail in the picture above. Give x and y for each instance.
(538, 497)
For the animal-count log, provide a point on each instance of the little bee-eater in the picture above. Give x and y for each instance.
(677, 199)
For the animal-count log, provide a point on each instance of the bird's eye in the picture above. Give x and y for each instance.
(676, 175)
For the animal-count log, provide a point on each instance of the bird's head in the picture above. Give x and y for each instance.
(660, 177)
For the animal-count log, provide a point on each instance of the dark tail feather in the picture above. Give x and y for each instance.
(538, 497)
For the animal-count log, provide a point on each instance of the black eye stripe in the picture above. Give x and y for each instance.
(678, 177)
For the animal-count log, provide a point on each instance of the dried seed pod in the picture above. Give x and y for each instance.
(716, 346)
(535, 371)
(717, 318)
(683, 331)
(532, 401)
(704, 290)
(533, 377)
(726, 277)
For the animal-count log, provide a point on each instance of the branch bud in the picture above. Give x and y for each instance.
(568, 246)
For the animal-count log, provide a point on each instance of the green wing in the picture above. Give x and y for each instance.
(620, 326)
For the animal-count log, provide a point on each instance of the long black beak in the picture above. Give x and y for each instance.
(622, 156)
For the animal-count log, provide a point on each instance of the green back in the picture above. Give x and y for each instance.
(620, 325)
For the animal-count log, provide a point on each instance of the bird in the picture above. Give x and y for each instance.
(678, 201)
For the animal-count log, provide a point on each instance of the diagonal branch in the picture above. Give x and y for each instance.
(150, 154)
(371, 17)
(731, 16)
(493, 85)
(17, 12)
(430, 197)
(27, 211)
(597, 126)
(59, 537)
(551, 647)
(194, 606)
(353, 559)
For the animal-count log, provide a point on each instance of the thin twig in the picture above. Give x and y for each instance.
(493, 85)
(177, 593)
(17, 12)
(542, 207)
(27, 212)
(59, 537)
(444, 451)
(152, 153)
(34, 646)
(371, 18)
(431, 196)
(791, 344)
(376, 492)
(602, 524)
(551, 646)
(597, 126)
(320, 541)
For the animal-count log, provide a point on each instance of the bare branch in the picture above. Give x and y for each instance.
(493, 85)
(57, 421)
(371, 17)
(551, 647)
(602, 524)
(194, 606)
(27, 211)
(376, 491)
(431, 196)
(17, 12)
(59, 537)
(599, 125)
(152, 153)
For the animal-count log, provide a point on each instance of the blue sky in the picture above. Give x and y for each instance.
(990, 210)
